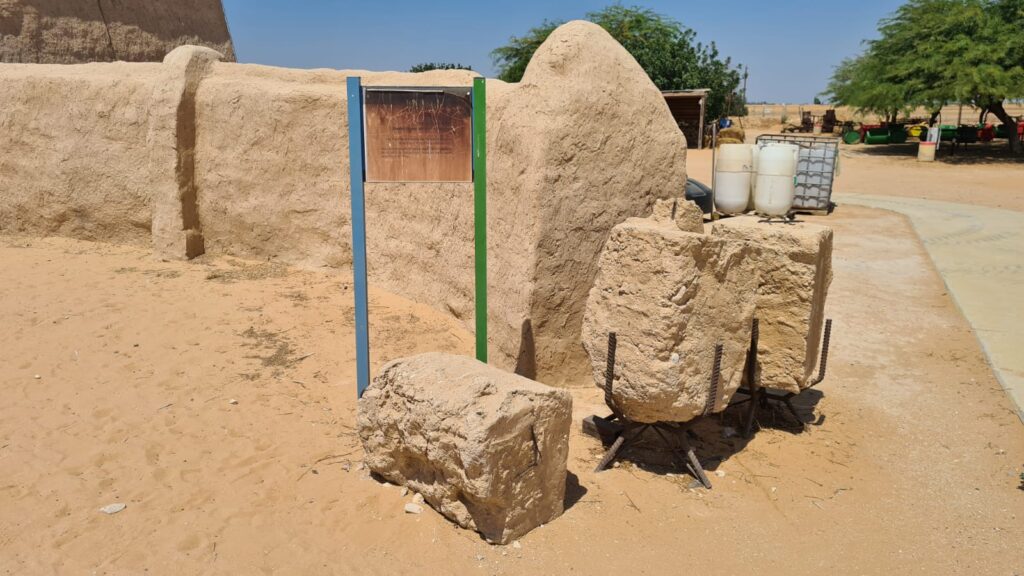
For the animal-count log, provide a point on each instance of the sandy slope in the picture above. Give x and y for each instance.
(913, 469)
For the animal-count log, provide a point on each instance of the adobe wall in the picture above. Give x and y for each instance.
(604, 148)
(74, 144)
(78, 31)
(272, 176)
(197, 155)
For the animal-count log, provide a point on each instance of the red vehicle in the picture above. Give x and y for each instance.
(1001, 131)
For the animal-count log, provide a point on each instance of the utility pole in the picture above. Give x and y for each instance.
(746, 72)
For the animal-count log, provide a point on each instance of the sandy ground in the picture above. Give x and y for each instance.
(977, 250)
(119, 372)
(981, 175)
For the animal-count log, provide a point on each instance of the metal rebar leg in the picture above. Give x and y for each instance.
(611, 453)
(748, 426)
(695, 466)
(789, 404)
(609, 373)
(609, 400)
(716, 373)
(690, 462)
(823, 366)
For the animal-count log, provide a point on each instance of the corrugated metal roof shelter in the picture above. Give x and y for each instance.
(687, 108)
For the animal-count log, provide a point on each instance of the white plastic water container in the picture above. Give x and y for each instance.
(733, 174)
(775, 189)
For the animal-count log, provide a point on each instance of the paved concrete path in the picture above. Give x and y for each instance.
(979, 252)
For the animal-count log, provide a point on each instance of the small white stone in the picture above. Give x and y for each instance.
(113, 508)
(411, 508)
(232, 401)
(675, 358)
(405, 491)
(516, 545)
(720, 473)
(418, 498)
(37, 376)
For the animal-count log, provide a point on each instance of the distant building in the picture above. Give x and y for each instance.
(74, 31)
(687, 108)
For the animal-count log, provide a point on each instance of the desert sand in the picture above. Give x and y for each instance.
(216, 400)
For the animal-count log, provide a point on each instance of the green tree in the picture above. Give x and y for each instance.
(936, 52)
(664, 48)
(860, 83)
(425, 66)
(512, 58)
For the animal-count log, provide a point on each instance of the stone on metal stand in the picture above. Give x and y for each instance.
(617, 429)
(761, 396)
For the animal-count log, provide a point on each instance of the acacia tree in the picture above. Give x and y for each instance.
(664, 48)
(992, 70)
(857, 83)
(935, 52)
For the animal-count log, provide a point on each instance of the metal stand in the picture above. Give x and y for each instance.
(619, 431)
(760, 396)
(788, 218)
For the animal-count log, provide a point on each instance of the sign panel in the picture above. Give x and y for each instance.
(419, 134)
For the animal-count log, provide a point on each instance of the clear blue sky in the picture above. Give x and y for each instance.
(790, 46)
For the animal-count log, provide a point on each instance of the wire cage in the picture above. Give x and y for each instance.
(815, 169)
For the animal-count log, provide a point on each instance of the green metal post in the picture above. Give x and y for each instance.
(480, 211)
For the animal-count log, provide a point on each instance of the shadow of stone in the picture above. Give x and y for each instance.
(526, 360)
(716, 438)
(574, 491)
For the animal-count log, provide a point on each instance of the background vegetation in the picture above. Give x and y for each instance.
(936, 52)
(667, 51)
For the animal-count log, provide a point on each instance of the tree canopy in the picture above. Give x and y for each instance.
(425, 66)
(663, 47)
(936, 52)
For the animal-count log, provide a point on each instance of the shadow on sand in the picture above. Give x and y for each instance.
(996, 152)
(717, 438)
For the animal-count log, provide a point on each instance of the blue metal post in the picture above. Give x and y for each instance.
(358, 173)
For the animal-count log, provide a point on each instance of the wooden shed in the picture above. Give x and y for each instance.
(687, 108)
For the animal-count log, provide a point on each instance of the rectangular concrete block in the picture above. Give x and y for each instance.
(484, 447)
(795, 267)
(670, 296)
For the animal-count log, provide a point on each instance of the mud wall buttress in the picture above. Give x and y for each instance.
(177, 230)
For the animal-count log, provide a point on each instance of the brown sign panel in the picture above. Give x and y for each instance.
(419, 134)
